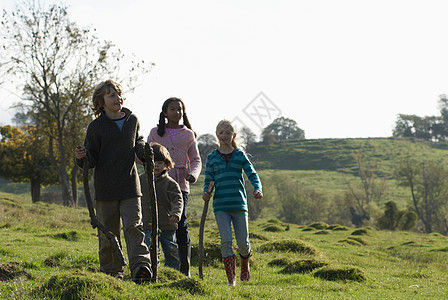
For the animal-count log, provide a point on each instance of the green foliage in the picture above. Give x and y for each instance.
(282, 129)
(394, 219)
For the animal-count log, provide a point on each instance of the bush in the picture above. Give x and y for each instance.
(394, 218)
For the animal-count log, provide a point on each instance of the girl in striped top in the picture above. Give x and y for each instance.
(225, 167)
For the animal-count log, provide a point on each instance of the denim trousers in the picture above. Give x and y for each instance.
(239, 219)
(182, 234)
(167, 239)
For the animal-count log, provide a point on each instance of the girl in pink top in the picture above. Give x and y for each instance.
(180, 140)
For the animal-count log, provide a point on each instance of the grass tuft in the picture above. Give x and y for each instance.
(318, 225)
(69, 236)
(79, 286)
(342, 274)
(273, 228)
(296, 246)
(279, 262)
(212, 253)
(361, 231)
(257, 236)
(337, 227)
(12, 270)
(322, 232)
(303, 266)
(191, 285)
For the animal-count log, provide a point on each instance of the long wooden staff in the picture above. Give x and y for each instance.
(93, 219)
(149, 169)
(201, 230)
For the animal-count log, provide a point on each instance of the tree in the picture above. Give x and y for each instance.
(285, 129)
(24, 158)
(426, 128)
(370, 190)
(206, 144)
(268, 137)
(56, 64)
(428, 184)
(246, 136)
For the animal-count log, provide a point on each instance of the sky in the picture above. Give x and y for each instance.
(340, 69)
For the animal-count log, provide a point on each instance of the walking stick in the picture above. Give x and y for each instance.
(93, 219)
(149, 169)
(201, 230)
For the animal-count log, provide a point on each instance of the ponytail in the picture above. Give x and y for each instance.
(187, 122)
(161, 125)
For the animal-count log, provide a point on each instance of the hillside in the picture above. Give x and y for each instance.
(336, 154)
(48, 251)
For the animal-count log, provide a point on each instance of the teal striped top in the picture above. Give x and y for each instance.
(229, 182)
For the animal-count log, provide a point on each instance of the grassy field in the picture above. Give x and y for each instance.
(48, 251)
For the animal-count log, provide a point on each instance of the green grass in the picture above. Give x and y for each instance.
(49, 251)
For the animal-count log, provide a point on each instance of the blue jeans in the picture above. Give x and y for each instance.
(182, 234)
(239, 218)
(169, 247)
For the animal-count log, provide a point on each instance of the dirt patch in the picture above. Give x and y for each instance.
(11, 271)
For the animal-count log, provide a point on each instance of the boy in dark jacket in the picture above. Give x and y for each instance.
(111, 143)
(169, 205)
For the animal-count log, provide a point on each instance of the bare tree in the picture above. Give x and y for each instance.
(56, 65)
(370, 189)
(428, 183)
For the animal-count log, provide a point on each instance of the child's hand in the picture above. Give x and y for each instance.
(190, 178)
(206, 196)
(80, 152)
(174, 219)
(258, 194)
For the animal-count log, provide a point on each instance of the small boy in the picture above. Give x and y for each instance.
(169, 205)
(111, 143)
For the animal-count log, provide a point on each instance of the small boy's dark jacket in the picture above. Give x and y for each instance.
(169, 201)
(112, 153)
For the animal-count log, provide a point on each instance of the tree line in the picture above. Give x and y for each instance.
(428, 128)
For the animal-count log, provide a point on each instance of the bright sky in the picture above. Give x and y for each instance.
(340, 69)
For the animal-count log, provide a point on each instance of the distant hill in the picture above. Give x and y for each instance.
(337, 154)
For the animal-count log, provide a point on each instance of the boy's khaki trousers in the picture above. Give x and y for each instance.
(109, 213)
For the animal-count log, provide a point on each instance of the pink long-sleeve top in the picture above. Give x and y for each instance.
(184, 152)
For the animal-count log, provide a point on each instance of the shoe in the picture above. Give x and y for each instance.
(230, 266)
(143, 275)
(245, 269)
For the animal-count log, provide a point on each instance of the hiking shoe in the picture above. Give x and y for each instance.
(143, 275)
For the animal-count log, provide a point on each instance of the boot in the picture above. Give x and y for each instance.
(230, 266)
(184, 258)
(245, 270)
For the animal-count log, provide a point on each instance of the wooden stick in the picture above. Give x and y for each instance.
(149, 169)
(201, 230)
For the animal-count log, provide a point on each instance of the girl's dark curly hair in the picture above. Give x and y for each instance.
(162, 125)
